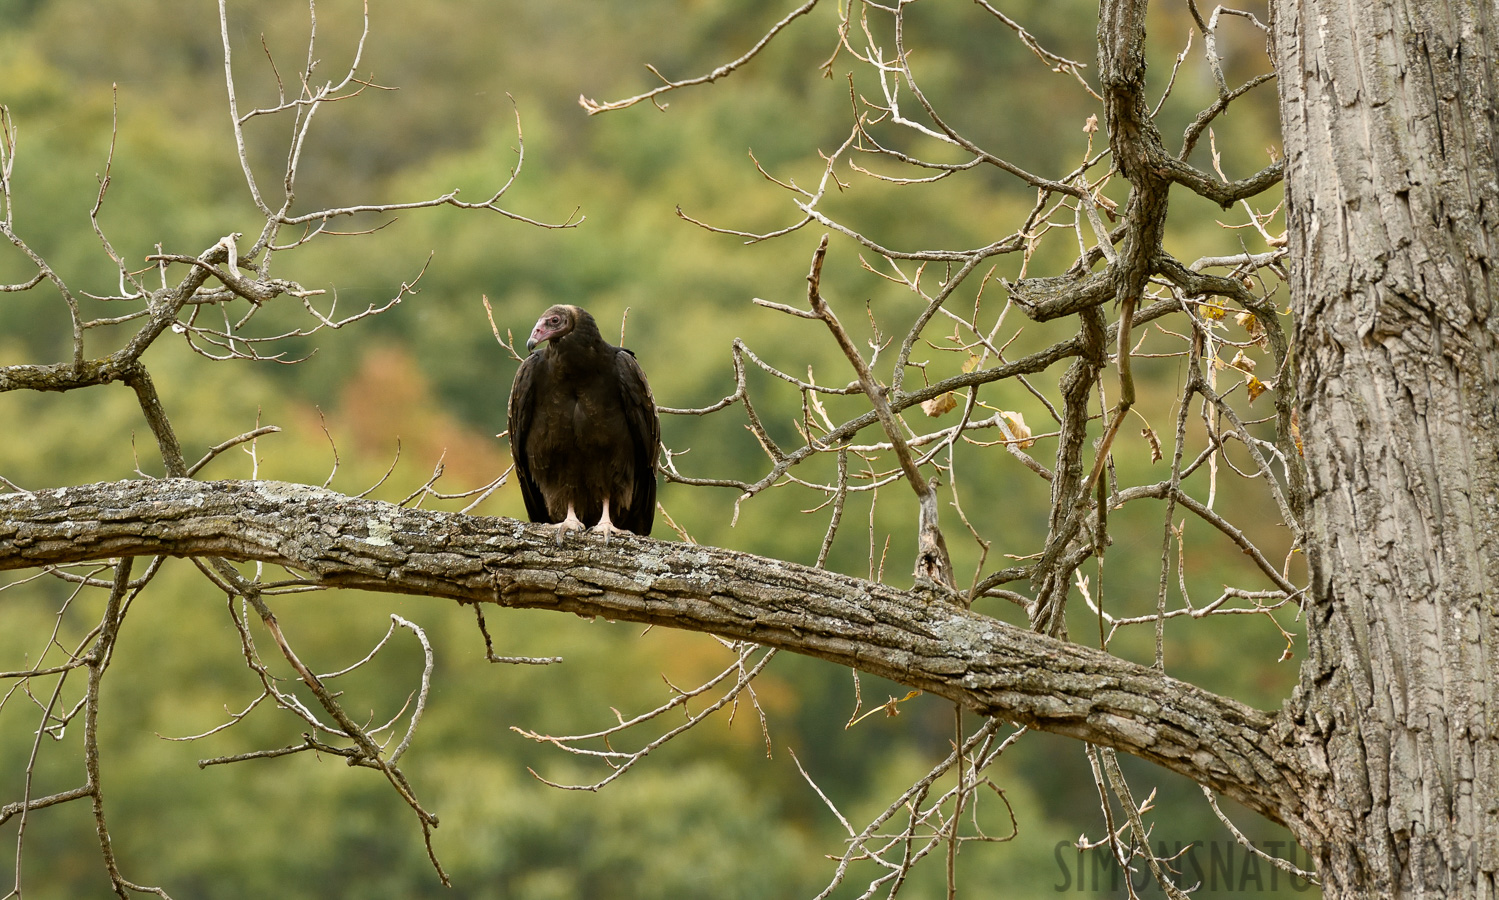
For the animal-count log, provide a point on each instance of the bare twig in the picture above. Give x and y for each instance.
(594, 107)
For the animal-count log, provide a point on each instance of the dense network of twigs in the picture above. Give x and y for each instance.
(1132, 302)
(1212, 318)
(209, 301)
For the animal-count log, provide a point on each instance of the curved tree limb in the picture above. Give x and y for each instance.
(989, 666)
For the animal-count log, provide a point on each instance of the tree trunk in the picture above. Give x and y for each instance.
(1388, 112)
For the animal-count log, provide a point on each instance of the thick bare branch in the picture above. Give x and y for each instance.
(980, 662)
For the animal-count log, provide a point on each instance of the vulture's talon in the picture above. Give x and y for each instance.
(606, 528)
(571, 523)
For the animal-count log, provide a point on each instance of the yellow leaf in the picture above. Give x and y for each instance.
(1255, 388)
(971, 363)
(1211, 310)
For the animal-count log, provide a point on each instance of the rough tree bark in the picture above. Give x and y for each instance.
(1393, 183)
(987, 665)
(1385, 761)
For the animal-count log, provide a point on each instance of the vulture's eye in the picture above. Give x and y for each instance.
(554, 320)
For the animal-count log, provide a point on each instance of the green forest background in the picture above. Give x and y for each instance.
(709, 815)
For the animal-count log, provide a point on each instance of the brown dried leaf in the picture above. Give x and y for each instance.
(1018, 429)
(1251, 324)
(891, 708)
(1155, 443)
(1091, 126)
(938, 405)
(1243, 364)
(816, 403)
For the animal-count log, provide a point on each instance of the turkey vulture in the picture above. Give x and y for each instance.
(583, 430)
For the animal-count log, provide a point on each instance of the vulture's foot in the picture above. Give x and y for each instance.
(571, 523)
(606, 527)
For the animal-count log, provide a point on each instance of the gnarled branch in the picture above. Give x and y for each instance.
(987, 665)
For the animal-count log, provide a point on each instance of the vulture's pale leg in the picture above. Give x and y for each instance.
(606, 527)
(571, 523)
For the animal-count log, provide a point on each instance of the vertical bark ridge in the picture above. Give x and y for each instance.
(1393, 189)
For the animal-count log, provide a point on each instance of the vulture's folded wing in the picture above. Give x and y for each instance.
(645, 440)
(521, 415)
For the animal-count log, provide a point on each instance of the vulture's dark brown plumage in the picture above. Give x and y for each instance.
(583, 429)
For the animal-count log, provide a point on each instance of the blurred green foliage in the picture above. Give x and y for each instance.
(708, 815)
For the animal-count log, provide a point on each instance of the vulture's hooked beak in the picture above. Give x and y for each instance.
(538, 334)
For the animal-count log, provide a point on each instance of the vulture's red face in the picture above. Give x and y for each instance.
(554, 323)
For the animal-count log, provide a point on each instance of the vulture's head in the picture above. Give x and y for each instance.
(558, 322)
